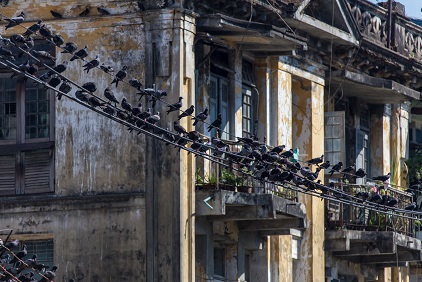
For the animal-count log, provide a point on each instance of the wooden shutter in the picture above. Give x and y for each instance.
(7, 175)
(38, 171)
(334, 131)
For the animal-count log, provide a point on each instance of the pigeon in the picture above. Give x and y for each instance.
(413, 206)
(278, 149)
(157, 95)
(92, 64)
(109, 110)
(287, 154)
(202, 116)
(65, 88)
(110, 96)
(84, 13)
(33, 68)
(58, 40)
(29, 43)
(382, 178)
(348, 170)
(7, 54)
(360, 173)
(59, 68)
(103, 11)
(135, 83)
(325, 165)
(90, 86)
(125, 105)
(316, 161)
(187, 113)
(82, 95)
(55, 81)
(94, 102)
(18, 256)
(122, 115)
(216, 123)
(179, 129)
(49, 275)
(22, 67)
(145, 115)
(336, 168)
(137, 110)
(56, 15)
(45, 32)
(121, 74)
(43, 55)
(152, 120)
(17, 39)
(80, 54)
(70, 48)
(33, 28)
(176, 106)
(15, 20)
(107, 69)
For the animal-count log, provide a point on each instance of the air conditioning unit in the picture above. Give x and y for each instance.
(415, 136)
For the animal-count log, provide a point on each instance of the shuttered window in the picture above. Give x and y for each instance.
(26, 136)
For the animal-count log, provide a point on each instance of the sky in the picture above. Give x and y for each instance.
(413, 7)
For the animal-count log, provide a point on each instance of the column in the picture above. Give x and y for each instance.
(170, 173)
(380, 140)
(308, 136)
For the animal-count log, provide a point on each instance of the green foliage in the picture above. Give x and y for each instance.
(229, 178)
(414, 164)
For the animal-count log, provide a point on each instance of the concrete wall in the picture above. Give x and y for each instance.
(96, 238)
(101, 237)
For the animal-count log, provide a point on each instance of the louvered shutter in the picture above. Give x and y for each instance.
(38, 171)
(7, 175)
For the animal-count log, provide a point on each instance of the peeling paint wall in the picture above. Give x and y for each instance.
(308, 135)
(380, 142)
(94, 239)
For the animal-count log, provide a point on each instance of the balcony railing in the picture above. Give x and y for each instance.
(232, 176)
(344, 216)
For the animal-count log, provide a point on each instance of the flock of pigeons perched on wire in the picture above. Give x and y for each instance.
(15, 265)
(256, 159)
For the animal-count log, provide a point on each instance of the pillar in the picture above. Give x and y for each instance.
(308, 136)
(263, 75)
(170, 173)
(380, 140)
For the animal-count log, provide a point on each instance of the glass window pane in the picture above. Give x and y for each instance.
(8, 109)
(37, 111)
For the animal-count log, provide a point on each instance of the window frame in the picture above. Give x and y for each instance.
(217, 105)
(27, 150)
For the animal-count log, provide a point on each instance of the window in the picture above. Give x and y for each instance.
(334, 135)
(26, 136)
(219, 263)
(219, 98)
(44, 249)
(362, 153)
(248, 112)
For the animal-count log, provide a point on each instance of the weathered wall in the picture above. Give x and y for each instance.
(96, 238)
(308, 136)
(380, 141)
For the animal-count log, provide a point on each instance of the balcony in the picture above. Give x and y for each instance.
(263, 207)
(360, 235)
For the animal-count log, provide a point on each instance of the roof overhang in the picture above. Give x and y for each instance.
(372, 90)
(323, 30)
(257, 38)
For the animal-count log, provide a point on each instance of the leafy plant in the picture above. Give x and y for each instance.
(199, 179)
(211, 179)
(414, 164)
(228, 177)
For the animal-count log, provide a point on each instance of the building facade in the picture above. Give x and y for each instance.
(322, 77)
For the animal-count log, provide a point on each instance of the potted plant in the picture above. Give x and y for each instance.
(244, 184)
(228, 180)
(210, 182)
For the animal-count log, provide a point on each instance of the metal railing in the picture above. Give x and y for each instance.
(343, 216)
(234, 177)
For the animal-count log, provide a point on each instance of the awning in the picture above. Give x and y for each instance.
(372, 90)
(257, 38)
